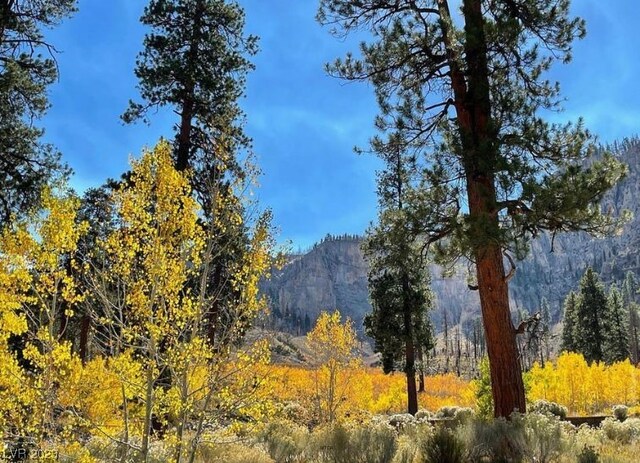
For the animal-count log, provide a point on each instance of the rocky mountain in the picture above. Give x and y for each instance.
(333, 274)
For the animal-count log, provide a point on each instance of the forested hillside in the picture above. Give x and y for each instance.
(333, 274)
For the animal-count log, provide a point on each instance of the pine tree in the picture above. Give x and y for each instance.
(398, 276)
(634, 332)
(27, 68)
(195, 62)
(569, 323)
(591, 317)
(616, 343)
(468, 94)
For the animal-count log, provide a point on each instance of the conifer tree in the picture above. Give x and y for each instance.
(195, 62)
(616, 343)
(398, 275)
(569, 323)
(27, 68)
(629, 297)
(590, 329)
(468, 94)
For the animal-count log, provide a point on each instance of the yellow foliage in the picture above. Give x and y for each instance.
(370, 390)
(583, 388)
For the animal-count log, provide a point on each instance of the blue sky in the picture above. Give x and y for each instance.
(304, 124)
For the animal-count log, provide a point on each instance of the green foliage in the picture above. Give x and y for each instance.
(195, 61)
(591, 315)
(549, 408)
(616, 343)
(620, 412)
(285, 442)
(543, 437)
(498, 440)
(27, 68)
(443, 446)
(597, 325)
(569, 341)
(484, 397)
(588, 455)
(398, 273)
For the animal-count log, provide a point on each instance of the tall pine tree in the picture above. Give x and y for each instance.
(616, 342)
(469, 93)
(398, 275)
(629, 297)
(195, 61)
(591, 318)
(569, 323)
(27, 68)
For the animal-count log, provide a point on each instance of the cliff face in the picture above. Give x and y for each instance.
(333, 275)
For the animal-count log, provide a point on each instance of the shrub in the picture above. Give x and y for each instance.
(543, 435)
(443, 446)
(549, 408)
(423, 415)
(620, 412)
(401, 420)
(588, 455)
(231, 453)
(296, 413)
(458, 415)
(284, 441)
(330, 443)
(499, 440)
(372, 444)
(623, 432)
(407, 449)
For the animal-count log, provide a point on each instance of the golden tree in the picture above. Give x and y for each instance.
(333, 346)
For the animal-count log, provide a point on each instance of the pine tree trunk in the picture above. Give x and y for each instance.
(472, 101)
(184, 136)
(410, 355)
(506, 379)
(421, 370)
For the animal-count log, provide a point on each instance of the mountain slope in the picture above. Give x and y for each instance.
(333, 275)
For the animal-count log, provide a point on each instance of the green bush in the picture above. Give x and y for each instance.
(369, 443)
(401, 420)
(443, 446)
(624, 433)
(498, 441)
(423, 415)
(484, 396)
(620, 412)
(372, 444)
(550, 408)
(588, 455)
(543, 436)
(284, 441)
(459, 415)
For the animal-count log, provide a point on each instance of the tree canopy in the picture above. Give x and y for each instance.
(468, 92)
(27, 68)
